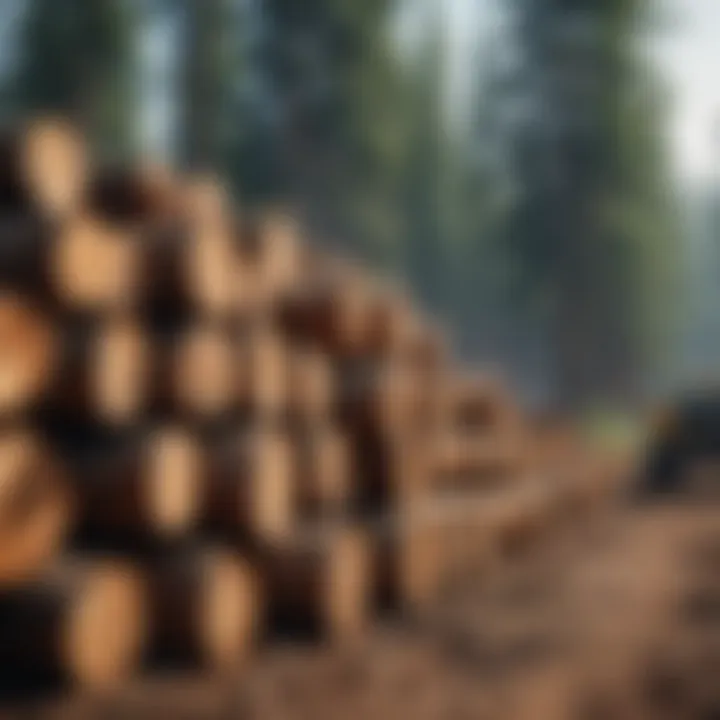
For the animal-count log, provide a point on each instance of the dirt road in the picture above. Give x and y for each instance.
(616, 620)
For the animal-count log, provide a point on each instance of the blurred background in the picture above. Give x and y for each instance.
(541, 172)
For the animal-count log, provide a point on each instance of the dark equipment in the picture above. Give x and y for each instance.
(687, 437)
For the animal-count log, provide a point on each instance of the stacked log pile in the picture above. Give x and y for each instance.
(210, 428)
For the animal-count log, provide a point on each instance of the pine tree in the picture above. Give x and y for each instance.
(208, 82)
(76, 58)
(327, 91)
(586, 190)
(427, 160)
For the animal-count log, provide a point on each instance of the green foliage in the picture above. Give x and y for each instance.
(322, 120)
(426, 169)
(592, 231)
(76, 57)
(209, 68)
(541, 224)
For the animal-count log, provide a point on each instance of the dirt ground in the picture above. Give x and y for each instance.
(616, 619)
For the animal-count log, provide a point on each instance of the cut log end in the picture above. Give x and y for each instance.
(203, 373)
(392, 325)
(395, 400)
(35, 508)
(105, 627)
(229, 611)
(279, 251)
(82, 622)
(410, 567)
(120, 372)
(310, 385)
(28, 351)
(323, 472)
(320, 583)
(205, 609)
(496, 455)
(133, 197)
(271, 497)
(205, 201)
(210, 267)
(250, 490)
(95, 266)
(210, 261)
(262, 379)
(333, 310)
(477, 402)
(346, 595)
(143, 487)
(172, 482)
(54, 163)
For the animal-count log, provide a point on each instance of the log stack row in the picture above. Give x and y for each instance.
(211, 429)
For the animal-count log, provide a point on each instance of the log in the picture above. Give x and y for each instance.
(210, 270)
(530, 518)
(323, 477)
(28, 354)
(205, 201)
(43, 168)
(332, 309)
(195, 373)
(447, 542)
(384, 398)
(320, 583)
(387, 398)
(476, 531)
(94, 266)
(407, 566)
(251, 296)
(310, 386)
(461, 460)
(426, 349)
(480, 440)
(36, 507)
(106, 373)
(138, 486)
(188, 270)
(477, 403)
(262, 372)
(390, 474)
(467, 529)
(82, 623)
(80, 265)
(250, 488)
(393, 324)
(133, 197)
(187, 246)
(129, 197)
(272, 244)
(210, 257)
(205, 609)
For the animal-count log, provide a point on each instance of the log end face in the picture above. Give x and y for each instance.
(94, 266)
(105, 629)
(55, 165)
(28, 350)
(121, 371)
(36, 509)
(229, 612)
(203, 373)
(172, 487)
(272, 493)
(347, 588)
